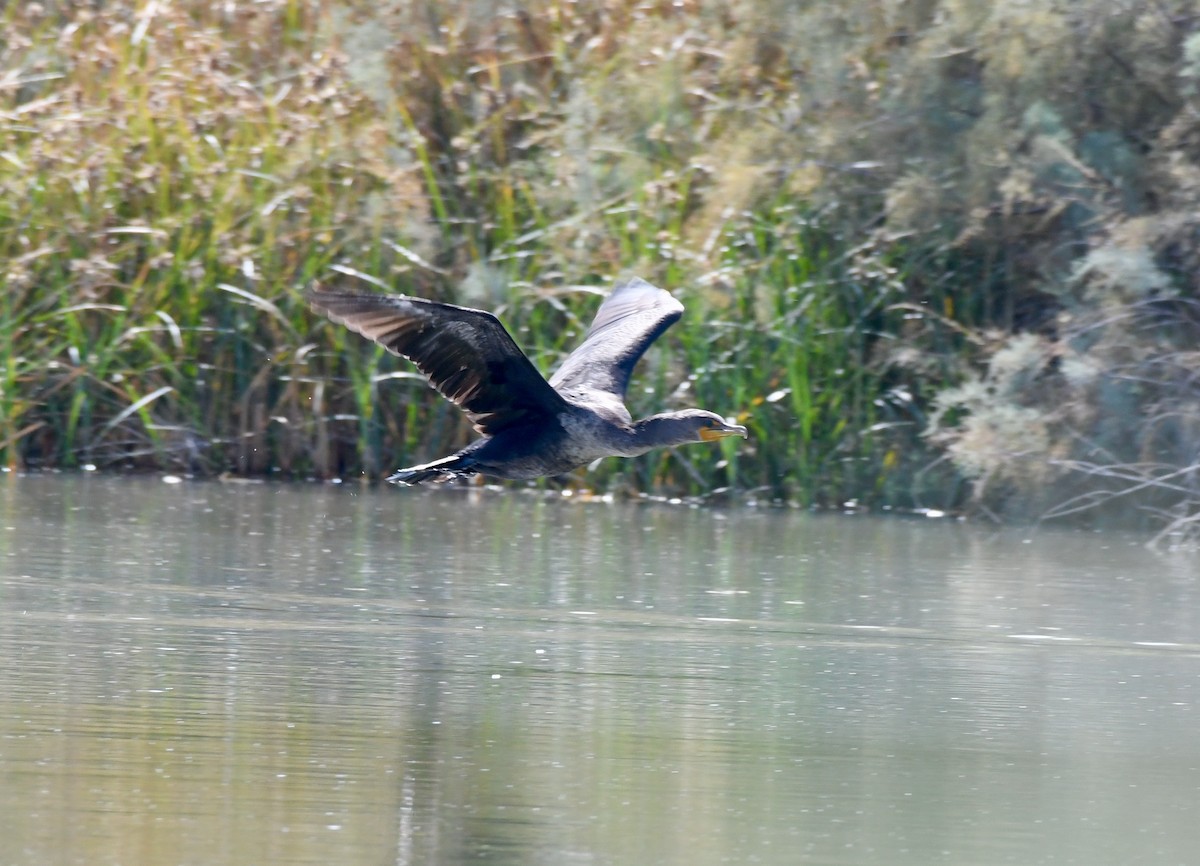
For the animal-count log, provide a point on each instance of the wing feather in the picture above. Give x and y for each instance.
(630, 319)
(467, 354)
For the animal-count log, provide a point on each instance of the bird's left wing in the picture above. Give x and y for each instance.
(630, 319)
(467, 354)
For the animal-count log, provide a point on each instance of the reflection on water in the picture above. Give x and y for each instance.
(206, 674)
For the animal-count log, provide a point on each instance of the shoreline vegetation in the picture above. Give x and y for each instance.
(934, 255)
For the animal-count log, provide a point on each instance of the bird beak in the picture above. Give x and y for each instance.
(710, 435)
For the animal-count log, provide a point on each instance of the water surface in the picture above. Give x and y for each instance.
(204, 673)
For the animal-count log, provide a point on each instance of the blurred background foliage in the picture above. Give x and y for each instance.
(937, 253)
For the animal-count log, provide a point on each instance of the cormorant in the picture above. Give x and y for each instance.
(530, 427)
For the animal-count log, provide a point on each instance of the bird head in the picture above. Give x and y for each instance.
(710, 427)
(699, 425)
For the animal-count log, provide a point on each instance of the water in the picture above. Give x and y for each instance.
(216, 674)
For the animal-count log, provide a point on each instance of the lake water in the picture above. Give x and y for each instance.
(205, 673)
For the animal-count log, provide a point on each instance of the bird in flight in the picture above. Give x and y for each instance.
(529, 426)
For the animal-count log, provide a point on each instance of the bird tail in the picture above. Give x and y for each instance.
(454, 466)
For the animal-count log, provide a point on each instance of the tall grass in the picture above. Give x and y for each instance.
(156, 198)
(866, 209)
(174, 173)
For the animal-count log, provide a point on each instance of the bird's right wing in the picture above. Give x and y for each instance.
(630, 319)
(467, 354)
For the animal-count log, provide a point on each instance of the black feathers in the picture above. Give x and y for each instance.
(467, 354)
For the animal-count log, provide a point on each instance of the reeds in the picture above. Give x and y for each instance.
(172, 174)
(823, 186)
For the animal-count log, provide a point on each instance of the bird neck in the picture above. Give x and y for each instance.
(657, 431)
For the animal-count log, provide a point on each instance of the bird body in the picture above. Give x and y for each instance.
(530, 426)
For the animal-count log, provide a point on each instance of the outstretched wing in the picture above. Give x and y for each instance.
(630, 319)
(467, 354)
